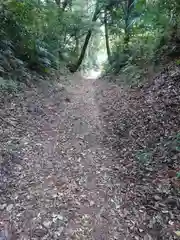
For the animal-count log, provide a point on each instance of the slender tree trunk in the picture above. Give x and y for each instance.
(107, 37)
(63, 5)
(126, 31)
(77, 45)
(58, 2)
(127, 35)
(129, 8)
(61, 9)
(74, 68)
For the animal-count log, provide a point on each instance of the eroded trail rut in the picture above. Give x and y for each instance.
(64, 186)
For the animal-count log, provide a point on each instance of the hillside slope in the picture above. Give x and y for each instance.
(144, 125)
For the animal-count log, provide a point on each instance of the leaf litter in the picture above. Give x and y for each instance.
(143, 125)
(90, 161)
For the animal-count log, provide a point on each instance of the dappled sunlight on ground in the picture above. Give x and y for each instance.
(92, 74)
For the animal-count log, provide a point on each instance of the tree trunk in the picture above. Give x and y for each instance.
(63, 5)
(58, 2)
(127, 35)
(74, 68)
(77, 45)
(129, 8)
(107, 37)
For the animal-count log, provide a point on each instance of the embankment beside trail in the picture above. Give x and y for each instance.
(143, 126)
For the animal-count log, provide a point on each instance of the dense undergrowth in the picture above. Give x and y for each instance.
(47, 35)
(43, 37)
(146, 40)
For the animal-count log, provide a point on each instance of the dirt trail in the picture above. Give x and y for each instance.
(65, 185)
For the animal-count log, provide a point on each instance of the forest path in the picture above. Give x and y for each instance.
(65, 185)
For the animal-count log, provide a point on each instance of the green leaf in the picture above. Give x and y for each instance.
(178, 175)
(177, 233)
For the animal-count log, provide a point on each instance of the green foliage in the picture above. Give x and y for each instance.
(142, 35)
(178, 175)
(178, 62)
(45, 35)
(176, 143)
(21, 42)
(42, 35)
(143, 157)
(9, 85)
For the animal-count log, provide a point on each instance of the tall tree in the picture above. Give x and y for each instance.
(75, 67)
(107, 35)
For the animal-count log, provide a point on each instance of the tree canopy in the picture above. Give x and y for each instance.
(44, 34)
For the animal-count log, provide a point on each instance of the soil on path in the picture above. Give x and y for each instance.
(58, 180)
